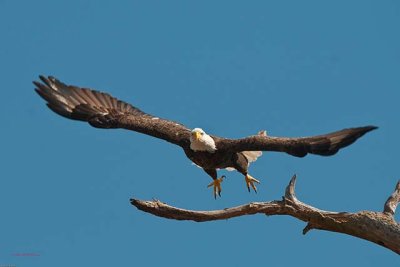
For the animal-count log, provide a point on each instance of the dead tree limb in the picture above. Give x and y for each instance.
(378, 227)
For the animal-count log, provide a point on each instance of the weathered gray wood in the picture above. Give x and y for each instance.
(393, 201)
(378, 227)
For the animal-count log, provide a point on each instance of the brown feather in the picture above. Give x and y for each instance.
(104, 111)
(324, 145)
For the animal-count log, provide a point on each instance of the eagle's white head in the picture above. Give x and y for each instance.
(200, 141)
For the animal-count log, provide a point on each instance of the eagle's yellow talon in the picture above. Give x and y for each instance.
(217, 186)
(250, 182)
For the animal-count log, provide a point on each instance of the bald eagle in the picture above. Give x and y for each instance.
(209, 152)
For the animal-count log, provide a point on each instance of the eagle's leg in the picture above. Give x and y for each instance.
(250, 182)
(241, 164)
(216, 183)
(217, 186)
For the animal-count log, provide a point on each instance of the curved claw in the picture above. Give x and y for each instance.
(250, 182)
(217, 186)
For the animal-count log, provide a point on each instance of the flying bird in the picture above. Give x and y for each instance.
(209, 152)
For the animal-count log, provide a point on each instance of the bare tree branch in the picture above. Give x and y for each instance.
(377, 227)
(393, 201)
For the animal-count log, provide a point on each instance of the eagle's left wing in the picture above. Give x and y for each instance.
(325, 145)
(102, 110)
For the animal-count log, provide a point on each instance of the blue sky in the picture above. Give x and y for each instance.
(294, 68)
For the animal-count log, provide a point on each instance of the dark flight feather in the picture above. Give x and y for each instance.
(324, 145)
(101, 110)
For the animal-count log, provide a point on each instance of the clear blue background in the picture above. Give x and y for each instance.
(294, 68)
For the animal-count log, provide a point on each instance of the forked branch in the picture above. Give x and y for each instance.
(378, 227)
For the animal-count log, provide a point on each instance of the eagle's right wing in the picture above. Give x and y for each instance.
(101, 110)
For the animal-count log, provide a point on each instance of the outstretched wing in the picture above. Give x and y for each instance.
(101, 110)
(325, 145)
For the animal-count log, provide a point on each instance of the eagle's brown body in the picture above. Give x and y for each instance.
(220, 159)
(104, 111)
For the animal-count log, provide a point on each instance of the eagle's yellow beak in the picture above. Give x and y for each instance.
(197, 135)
